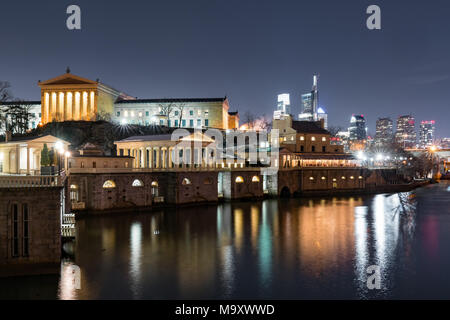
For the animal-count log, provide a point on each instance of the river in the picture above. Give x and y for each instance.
(318, 248)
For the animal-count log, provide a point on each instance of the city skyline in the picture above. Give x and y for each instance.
(210, 50)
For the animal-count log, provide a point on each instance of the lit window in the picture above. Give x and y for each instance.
(140, 114)
(199, 112)
(311, 178)
(343, 178)
(137, 183)
(352, 177)
(324, 178)
(132, 113)
(186, 181)
(324, 139)
(313, 139)
(239, 180)
(334, 179)
(360, 177)
(302, 138)
(109, 184)
(155, 184)
(126, 114)
(255, 179)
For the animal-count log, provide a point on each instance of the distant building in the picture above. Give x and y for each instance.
(357, 130)
(322, 115)
(283, 106)
(445, 143)
(310, 103)
(406, 135)
(384, 131)
(426, 133)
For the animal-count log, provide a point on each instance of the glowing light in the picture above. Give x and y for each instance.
(68, 154)
(109, 184)
(59, 146)
(239, 180)
(379, 157)
(255, 179)
(123, 122)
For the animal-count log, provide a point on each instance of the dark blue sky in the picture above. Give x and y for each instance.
(250, 50)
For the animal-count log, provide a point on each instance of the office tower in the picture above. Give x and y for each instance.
(384, 131)
(321, 114)
(310, 102)
(406, 135)
(357, 129)
(426, 133)
(283, 106)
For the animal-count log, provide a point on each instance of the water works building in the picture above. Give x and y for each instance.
(69, 97)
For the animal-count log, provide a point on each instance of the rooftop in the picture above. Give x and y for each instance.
(308, 127)
(174, 100)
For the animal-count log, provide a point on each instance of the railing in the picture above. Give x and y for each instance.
(149, 170)
(11, 181)
(68, 230)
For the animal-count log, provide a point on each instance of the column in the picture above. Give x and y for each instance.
(145, 158)
(88, 106)
(28, 161)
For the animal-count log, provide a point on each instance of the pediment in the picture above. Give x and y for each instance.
(66, 79)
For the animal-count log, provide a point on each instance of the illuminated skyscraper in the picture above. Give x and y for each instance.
(426, 134)
(357, 130)
(283, 106)
(310, 102)
(321, 114)
(384, 131)
(406, 135)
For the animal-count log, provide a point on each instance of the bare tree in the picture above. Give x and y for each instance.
(334, 130)
(264, 123)
(249, 119)
(5, 93)
(166, 109)
(17, 117)
(180, 108)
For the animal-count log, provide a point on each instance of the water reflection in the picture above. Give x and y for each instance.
(313, 248)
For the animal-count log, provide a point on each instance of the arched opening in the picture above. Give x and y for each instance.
(74, 195)
(137, 183)
(186, 181)
(285, 192)
(109, 184)
(155, 189)
(255, 179)
(239, 179)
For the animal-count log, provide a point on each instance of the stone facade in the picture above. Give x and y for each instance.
(30, 226)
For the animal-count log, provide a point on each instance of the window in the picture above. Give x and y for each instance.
(82, 164)
(26, 230)
(302, 148)
(313, 138)
(239, 180)
(183, 123)
(137, 183)
(191, 123)
(313, 148)
(343, 178)
(199, 112)
(206, 123)
(206, 113)
(94, 164)
(324, 148)
(155, 184)
(155, 189)
(161, 122)
(147, 114)
(140, 114)
(109, 184)
(311, 178)
(324, 139)
(74, 193)
(132, 113)
(176, 123)
(324, 178)
(255, 179)
(15, 230)
(199, 122)
(191, 112)
(186, 181)
(176, 113)
(168, 123)
(126, 114)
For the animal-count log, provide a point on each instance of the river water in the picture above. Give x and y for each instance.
(318, 248)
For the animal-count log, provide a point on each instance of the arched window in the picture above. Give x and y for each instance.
(137, 183)
(186, 181)
(255, 179)
(155, 187)
(109, 184)
(74, 192)
(208, 181)
(155, 184)
(239, 180)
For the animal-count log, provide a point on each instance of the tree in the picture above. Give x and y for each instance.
(45, 158)
(5, 93)
(249, 120)
(180, 109)
(334, 130)
(17, 117)
(166, 110)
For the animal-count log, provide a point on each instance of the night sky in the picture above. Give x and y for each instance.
(248, 50)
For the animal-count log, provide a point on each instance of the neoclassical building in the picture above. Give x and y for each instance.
(69, 97)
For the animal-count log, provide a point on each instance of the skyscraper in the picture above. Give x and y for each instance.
(384, 131)
(406, 135)
(310, 102)
(426, 133)
(283, 106)
(357, 130)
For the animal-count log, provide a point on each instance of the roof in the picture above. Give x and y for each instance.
(308, 127)
(233, 113)
(12, 103)
(155, 137)
(31, 138)
(174, 100)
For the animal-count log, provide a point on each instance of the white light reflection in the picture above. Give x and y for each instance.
(135, 258)
(224, 234)
(361, 246)
(70, 281)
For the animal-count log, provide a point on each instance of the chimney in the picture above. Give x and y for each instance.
(8, 136)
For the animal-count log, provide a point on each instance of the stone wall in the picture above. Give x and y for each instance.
(44, 225)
